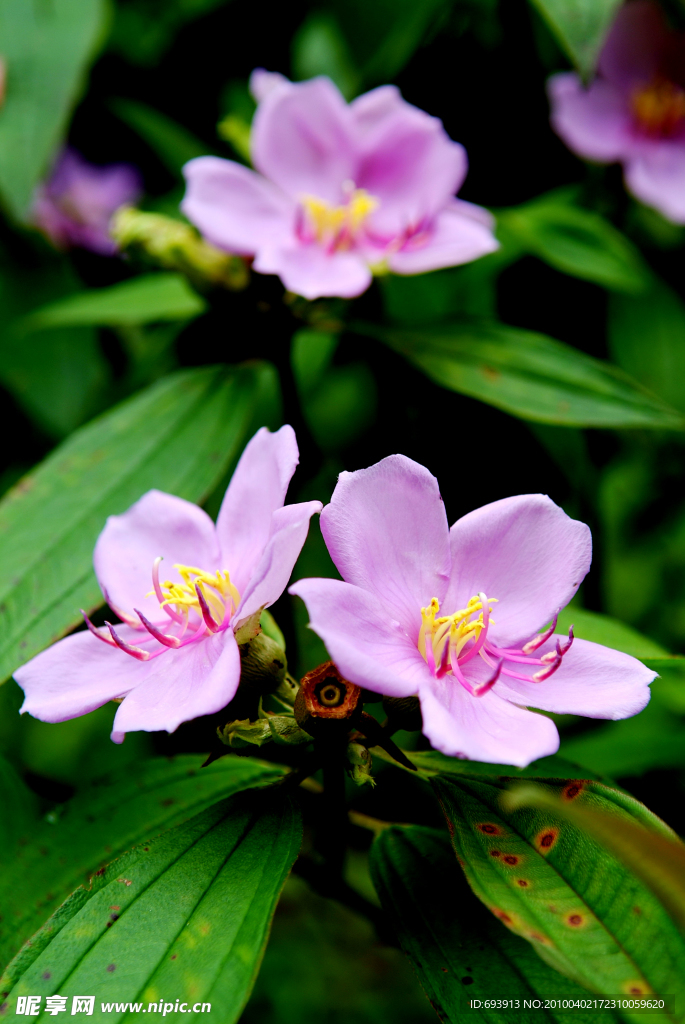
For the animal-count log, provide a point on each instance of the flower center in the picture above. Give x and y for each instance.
(335, 227)
(212, 597)
(659, 108)
(448, 642)
(199, 590)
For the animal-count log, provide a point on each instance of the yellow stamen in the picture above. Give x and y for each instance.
(456, 629)
(659, 107)
(338, 225)
(217, 590)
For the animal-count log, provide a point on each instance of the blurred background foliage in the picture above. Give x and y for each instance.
(556, 364)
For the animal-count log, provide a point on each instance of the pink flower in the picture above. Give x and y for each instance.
(634, 111)
(75, 206)
(174, 656)
(453, 615)
(341, 190)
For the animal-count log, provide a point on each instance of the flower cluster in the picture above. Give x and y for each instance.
(462, 617)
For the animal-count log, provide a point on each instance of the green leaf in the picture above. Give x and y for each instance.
(210, 887)
(383, 36)
(647, 339)
(19, 813)
(75, 840)
(173, 144)
(142, 300)
(61, 375)
(319, 48)
(576, 241)
(583, 910)
(580, 26)
(459, 951)
(46, 48)
(658, 860)
(528, 375)
(181, 435)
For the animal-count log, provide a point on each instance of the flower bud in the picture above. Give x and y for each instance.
(360, 760)
(177, 246)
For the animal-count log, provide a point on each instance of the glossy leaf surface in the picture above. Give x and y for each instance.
(585, 912)
(528, 375)
(210, 886)
(46, 48)
(71, 843)
(576, 241)
(459, 951)
(659, 860)
(180, 435)
(141, 300)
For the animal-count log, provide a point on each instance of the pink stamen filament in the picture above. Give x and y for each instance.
(135, 652)
(159, 594)
(455, 634)
(164, 638)
(211, 624)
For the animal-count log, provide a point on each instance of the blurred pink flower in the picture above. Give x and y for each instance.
(75, 205)
(634, 110)
(174, 656)
(453, 615)
(341, 190)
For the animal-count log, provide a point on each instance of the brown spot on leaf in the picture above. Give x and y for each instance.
(495, 853)
(545, 840)
(168, 802)
(46, 975)
(111, 968)
(636, 987)
(572, 789)
(523, 882)
(489, 828)
(575, 920)
(511, 859)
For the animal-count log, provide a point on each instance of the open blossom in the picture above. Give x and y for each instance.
(634, 110)
(180, 585)
(340, 190)
(75, 206)
(453, 615)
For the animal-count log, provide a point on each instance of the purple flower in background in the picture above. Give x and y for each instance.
(75, 206)
(453, 615)
(634, 110)
(341, 190)
(174, 656)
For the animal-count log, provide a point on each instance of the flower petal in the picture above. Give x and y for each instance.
(526, 552)
(79, 674)
(310, 271)
(262, 82)
(592, 680)
(411, 165)
(594, 123)
(257, 488)
(386, 531)
(270, 578)
(656, 176)
(195, 680)
(459, 235)
(302, 140)
(158, 524)
(361, 636)
(484, 728)
(235, 208)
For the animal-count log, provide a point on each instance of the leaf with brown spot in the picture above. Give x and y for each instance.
(577, 908)
(454, 937)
